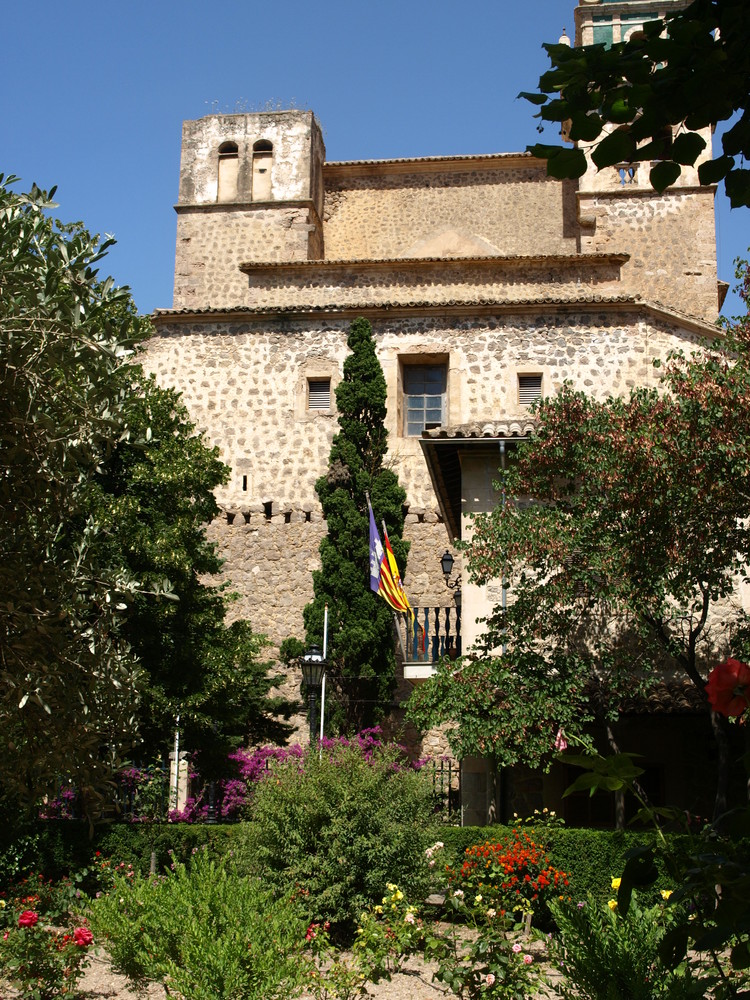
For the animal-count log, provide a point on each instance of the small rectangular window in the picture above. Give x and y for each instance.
(424, 397)
(529, 389)
(319, 394)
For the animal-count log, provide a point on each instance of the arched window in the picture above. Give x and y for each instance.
(229, 162)
(262, 159)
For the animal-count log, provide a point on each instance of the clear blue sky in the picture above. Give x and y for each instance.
(93, 95)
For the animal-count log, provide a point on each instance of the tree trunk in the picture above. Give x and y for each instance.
(721, 735)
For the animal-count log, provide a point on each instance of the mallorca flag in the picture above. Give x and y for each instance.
(385, 580)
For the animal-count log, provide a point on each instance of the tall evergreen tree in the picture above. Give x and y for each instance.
(361, 650)
(155, 492)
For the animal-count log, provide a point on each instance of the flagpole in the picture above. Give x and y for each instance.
(323, 685)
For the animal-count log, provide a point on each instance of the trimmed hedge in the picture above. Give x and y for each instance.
(57, 848)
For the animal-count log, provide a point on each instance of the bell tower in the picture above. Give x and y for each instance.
(605, 22)
(608, 22)
(671, 236)
(251, 189)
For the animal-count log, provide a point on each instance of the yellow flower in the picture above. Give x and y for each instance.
(378, 909)
(616, 883)
(666, 893)
(612, 904)
(477, 900)
(398, 896)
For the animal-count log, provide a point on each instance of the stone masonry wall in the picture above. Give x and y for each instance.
(211, 245)
(269, 560)
(245, 382)
(671, 240)
(512, 206)
(487, 280)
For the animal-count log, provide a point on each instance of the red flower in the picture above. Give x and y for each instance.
(728, 687)
(28, 918)
(82, 936)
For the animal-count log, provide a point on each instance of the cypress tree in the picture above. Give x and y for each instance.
(361, 643)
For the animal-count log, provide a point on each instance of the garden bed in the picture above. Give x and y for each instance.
(101, 982)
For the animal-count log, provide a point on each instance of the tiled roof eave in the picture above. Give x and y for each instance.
(463, 307)
(426, 306)
(481, 430)
(381, 263)
(416, 161)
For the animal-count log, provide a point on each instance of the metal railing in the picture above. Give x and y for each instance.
(445, 776)
(432, 633)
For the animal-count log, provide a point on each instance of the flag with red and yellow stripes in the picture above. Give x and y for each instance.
(384, 576)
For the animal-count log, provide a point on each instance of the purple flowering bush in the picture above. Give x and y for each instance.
(251, 766)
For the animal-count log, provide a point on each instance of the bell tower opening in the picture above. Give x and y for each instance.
(229, 163)
(262, 162)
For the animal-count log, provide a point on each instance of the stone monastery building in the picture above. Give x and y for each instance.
(487, 284)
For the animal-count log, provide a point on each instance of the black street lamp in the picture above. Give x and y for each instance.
(446, 565)
(313, 670)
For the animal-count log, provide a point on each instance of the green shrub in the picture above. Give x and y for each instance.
(339, 827)
(204, 932)
(603, 953)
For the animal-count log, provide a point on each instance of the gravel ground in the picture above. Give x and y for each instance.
(414, 983)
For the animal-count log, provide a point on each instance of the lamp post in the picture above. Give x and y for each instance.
(313, 672)
(446, 564)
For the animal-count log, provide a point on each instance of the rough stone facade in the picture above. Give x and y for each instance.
(481, 266)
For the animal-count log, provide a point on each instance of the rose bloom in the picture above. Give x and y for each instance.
(527, 959)
(616, 883)
(82, 936)
(516, 948)
(490, 980)
(28, 918)
(728, 687)
(409, 918)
